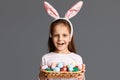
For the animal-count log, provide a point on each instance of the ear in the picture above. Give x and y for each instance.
(51, 10)
(74, 10)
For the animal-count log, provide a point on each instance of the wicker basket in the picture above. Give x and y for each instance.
(61, 74)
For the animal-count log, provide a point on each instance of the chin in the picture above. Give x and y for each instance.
(60, 49)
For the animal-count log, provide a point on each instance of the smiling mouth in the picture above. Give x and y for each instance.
(60, 43)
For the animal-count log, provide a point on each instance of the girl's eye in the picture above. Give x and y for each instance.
(55, 35)
(65, 35)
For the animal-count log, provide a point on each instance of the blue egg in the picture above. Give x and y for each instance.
(60, 65)
(69, 66)
(70, 69)
(56, 69)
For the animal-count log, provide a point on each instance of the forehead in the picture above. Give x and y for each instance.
(61, 27)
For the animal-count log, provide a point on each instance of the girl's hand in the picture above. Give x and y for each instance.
(82, 72)
(41, 76)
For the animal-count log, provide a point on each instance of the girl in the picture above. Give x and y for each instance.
(61, 46)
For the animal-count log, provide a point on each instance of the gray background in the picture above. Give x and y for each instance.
(24, 26)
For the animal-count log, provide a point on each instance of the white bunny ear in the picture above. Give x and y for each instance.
(51, 10)
(74, 10)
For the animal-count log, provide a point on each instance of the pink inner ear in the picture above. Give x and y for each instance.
(74, 10)
(71, 13)
(50, 10)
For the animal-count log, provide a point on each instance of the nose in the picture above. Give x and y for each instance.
(60, 38)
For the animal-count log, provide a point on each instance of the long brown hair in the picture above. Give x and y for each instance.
(51, 47)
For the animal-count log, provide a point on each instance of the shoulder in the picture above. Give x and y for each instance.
(48, 55)
(77, 58)
(76, 55)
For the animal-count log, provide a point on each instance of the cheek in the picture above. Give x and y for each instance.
(54, 40)
(67, 40)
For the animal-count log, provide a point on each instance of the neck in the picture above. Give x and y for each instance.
(63, 51)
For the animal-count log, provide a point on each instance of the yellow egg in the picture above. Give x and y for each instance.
(53, 65)
(73, 64)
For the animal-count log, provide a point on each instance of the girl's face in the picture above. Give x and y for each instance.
(61, 38)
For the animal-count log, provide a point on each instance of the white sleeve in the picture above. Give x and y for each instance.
(78, 59)
(44, 61)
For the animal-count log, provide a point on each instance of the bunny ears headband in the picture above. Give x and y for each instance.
(70, 13)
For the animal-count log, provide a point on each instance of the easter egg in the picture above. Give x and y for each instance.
(75, 69)
(64, 68)
(53, 65)
(56, 69)
(69, 66)
(44, 67)
(70, 69)
(60, 65)
(79, 66)
(48, 69)
(73, 64)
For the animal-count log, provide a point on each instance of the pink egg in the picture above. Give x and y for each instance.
(79, 66)
(44, 67)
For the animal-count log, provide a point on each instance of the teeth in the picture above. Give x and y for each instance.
(61, 43)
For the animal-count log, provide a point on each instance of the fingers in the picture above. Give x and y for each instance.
(41, 76)
(81, 77)
(82, 72)
(83, 68)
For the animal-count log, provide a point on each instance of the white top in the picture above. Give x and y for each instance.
(51, 57)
